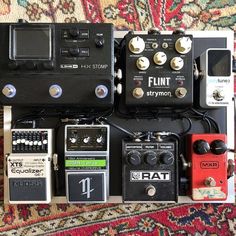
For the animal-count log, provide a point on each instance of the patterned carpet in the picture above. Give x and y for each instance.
(114, 219)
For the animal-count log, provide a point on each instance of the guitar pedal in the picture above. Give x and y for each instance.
(29, 166)
(216, 86)
(208, 173)
(87, 163)
(150, 170)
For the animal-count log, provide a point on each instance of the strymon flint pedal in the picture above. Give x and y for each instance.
(29, 166)
(150, 171)
(87, 163)
(73, 63)
(217, 82)
(207, 153)
(159, 70)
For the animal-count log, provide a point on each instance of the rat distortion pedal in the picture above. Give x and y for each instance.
(217, 82)
(29, 166)
(72, 63)
(150, 170)
(87, 163)
(159, 70)
(208, 173)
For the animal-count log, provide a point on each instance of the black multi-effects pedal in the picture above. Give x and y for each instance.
(93, 115)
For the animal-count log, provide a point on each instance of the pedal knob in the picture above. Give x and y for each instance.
(101, 91)
(218, 147)
(183, 45)
(218, 95)
(73, 140)
(201, 147)
(177, 63)
(99, 41)
(180, 92)
(160, 58)
(151, 190)
(134, 158)
(138, 93)
(9, 91)
(143, 63)
(210, 182)
(151, 158)
(136, 45)
(166, 158)
(55, 91)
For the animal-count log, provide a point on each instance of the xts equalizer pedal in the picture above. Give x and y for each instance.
(87, 163)
(29, 166)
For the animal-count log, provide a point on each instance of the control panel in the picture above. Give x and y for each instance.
(208, 157)
(31, 141)
(87, 163)
(159, 70)
(62, 58)
(29, 166)
(150, 170)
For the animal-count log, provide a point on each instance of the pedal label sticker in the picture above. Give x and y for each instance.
(22, 167)
(142, 176)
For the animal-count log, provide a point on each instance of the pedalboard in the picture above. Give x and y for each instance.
(159, 70)
(29, 166)
(208, 161)
(150, 170)
(80, 52)
(95, 116)
(87, 163)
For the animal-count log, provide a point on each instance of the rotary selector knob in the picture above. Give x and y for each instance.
(167, 158)
(218, 95)
(73, 140)
(177, 63)
(150, 190)
(218, 147)
(180, 92)
(210, 182)
(134, 158)
(183, 45)
(74, 32)
(30, 65)
(101, 91)
(86, 139)
(150, 158)
(143, 63)
(9, 91)
(201, 147)
(55, 91)
(138, 93)
(160, 58)
(136, 45)
(74, 52)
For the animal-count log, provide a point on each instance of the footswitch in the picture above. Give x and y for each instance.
(87, 163)
(150, 170)
(208, 157)
(29, 166)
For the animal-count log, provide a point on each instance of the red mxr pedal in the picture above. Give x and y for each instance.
(208, 154)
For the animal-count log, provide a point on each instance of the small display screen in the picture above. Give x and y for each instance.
(31, 43)
(219, 63)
